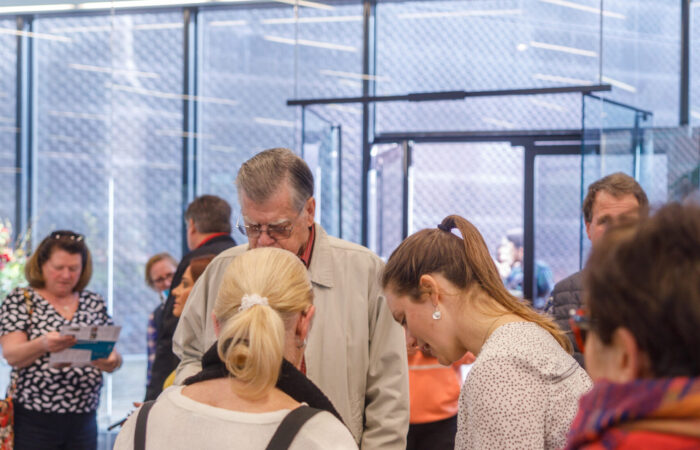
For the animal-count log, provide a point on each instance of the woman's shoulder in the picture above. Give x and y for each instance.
(521, 340)
(521, 349)
(18, 295)
(324, 431)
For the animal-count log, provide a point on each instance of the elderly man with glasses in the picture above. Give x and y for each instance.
(355, 351)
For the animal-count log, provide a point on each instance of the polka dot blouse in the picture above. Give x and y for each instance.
(44, 389)
(521, 393)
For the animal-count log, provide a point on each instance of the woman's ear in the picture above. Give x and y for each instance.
(217, 327)
(304, 323)
(429, 288)
(632, 363)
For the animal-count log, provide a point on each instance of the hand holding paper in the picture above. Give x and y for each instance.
(92, 342)
(109, 364)
(55, 341)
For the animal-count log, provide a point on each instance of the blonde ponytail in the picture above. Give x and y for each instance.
(252, 338)
(251, 345)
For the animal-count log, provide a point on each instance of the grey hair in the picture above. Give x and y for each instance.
(264, 173)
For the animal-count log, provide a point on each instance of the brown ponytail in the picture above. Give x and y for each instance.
(465, 262)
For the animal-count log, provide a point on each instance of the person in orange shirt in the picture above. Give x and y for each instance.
(434, 391)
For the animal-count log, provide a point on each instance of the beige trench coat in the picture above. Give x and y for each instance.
(356, 352)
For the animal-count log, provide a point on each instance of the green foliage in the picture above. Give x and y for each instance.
(13, 256)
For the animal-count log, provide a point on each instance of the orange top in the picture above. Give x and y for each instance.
(434, 388)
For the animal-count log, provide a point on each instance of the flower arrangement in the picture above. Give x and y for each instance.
(13, 257)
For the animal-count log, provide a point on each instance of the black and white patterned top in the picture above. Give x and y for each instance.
(521, 393)
(40, 388)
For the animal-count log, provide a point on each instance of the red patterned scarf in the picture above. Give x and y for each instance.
(611, 411)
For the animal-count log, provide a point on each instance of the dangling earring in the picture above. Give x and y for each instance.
(437, 314)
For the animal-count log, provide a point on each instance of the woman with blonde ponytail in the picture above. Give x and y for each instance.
(250, 380)
(523, 389)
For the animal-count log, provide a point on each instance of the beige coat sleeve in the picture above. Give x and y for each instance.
(195, 332)
(387, 396)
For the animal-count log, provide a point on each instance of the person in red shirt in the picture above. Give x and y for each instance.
(642, 300)
(208, 232)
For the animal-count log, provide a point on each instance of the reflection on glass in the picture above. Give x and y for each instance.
(558, 212)
(641, 56)
(386, 194)
(250, 56)
(8, 122)
(322, 152)
(108, 151)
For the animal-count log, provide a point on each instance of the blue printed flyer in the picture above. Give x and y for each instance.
(94, 342)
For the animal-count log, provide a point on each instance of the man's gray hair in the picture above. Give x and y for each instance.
(264, 173)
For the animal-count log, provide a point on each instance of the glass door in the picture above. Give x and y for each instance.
(556, 217)
(387, 193)
(414, 185)
(322, 151)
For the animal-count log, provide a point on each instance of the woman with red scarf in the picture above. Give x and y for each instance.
(642, 292)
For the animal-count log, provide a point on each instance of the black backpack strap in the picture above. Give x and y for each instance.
(141, 420)
(290, 426)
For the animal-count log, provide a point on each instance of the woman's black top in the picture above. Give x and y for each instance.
(291, 381)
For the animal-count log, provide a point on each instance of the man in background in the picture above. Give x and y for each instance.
(208, 221)
(511, 252)
(614, 199)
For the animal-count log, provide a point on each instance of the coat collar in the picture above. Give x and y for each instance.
(321, 268)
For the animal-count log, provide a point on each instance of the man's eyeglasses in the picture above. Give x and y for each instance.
(77, 237)
(277, 232)
(580, 324)
(164, 278)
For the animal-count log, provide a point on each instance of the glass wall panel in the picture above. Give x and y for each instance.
(641, 55)
(246, 75)
(253, 59)
(329, 62)
(8, 119)
(482, 182)
(695, 62)
(558, 213)
(484, 45)
(348, 120)
(386, 199)
(681, 146)
(108, 154)
(322, 152)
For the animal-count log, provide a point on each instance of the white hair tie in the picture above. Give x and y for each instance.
(249, 300)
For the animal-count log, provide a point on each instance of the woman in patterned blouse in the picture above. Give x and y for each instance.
(55, 407)
(523, 389)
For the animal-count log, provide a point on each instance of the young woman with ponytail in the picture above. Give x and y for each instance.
(249, 381)
(523, 389)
